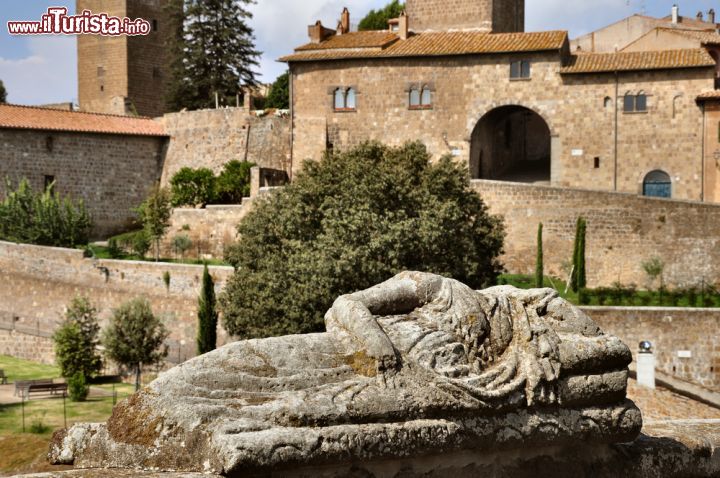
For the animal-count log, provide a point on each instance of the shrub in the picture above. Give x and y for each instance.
(182, 243)
(140, 243)
(113, 248)
(192, 187)
(43, 218)
(77, 339)
(77, 388)
(166, 279)
(348, 222)
(233, 183)
(654, 268)
(38, 426)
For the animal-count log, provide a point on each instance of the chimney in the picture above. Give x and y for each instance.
(700, 16)
(711, 16)
(403, 26)
(344, 26)
(318, 32)
(675, 14)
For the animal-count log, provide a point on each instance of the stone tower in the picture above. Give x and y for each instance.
(124, 75)
(497, 16)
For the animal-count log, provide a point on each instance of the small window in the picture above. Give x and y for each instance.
(100, 71)
(350, 99)
(345, 99)
(414, 98)
(596, 163)
(657, 184)
(156, 72)
(339, 101)
(519, 69)
(607, 103)
(629, 103)
(426, 99)
(48, 181)
(154, 25)
(49, 144)
(102, 87)
(641, 102)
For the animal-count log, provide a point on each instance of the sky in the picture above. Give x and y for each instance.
(38, 70)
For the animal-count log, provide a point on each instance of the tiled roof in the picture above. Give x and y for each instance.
(636, 61)
(30, 117)
(370, 39)
(429, 44)
(705, 37)
(709, 95)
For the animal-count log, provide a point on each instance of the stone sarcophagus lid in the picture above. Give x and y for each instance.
(417, 366)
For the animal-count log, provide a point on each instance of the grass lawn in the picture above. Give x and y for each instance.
(101, 252)
(18, 369)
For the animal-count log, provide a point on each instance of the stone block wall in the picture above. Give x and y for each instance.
(685, 340)
(39, 282)
(26, 346)
(623, 231)
(111, 173)
(211, 138)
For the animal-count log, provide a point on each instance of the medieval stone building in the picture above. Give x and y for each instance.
(463, 77)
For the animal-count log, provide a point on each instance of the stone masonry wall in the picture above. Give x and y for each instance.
(211, 138)
(623, 231)
(211, 229)
(685, 340)
(111, 173)
(26, 346)
(38, 283)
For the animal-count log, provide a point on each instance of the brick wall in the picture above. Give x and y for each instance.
(111, 173)
(39, 282)
(211, 138)
(671, 331)
(623, 231)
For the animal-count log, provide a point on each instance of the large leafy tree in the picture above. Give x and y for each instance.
(76, 341)
(348, 222)
(279, 95)
(212, 52)
(3, 93)
(378, 19)
(135, 336)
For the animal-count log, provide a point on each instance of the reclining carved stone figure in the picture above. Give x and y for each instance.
(417, 365)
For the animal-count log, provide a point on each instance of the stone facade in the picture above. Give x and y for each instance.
(211, 138)
(593, 143)
(488, 15)
(111, 173)
(623, 231)
(41, 281)
(24, 346)
(124, 75)
(684, 340)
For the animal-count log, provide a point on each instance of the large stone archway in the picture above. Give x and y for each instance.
(511, 143)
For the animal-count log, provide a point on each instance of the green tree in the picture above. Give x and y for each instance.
(77, 339)
(134, 337)
(42, 218)
(207, 315)
(192, 187)
(233, 183)
(539, 266)
(378, 19)
(578, 279)
(654, 268)
(3, 93)
(348, 222)
(182, 243)
(213, 50)
(155, 216)
(279, 94)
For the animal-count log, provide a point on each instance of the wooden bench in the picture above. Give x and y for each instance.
(21, 386)
(44, 388)
(3, 377)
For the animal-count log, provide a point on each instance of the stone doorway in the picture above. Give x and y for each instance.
(511, 143)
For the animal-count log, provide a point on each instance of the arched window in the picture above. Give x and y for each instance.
(426, 99)
(350, 99)
(339, 101)
(641, 101)
(676, 105)
(607, 103)
(414, 98)
(629, 102)
(657, 184)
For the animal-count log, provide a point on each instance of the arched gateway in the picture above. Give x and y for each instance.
(511, 143)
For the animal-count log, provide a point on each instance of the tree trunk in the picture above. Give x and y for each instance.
(137, 377)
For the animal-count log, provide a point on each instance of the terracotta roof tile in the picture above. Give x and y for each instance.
(709, 95)
(636, 61)
(705, 37)
(31, 117)
(434, 44)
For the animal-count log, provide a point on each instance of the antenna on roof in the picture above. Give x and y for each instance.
(641, 4)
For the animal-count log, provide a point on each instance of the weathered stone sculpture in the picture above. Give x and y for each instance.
(418, 365)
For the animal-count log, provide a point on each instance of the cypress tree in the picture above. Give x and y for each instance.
(539, 266)
(214, 54)
(207, 315)
(581, 278)
(576, 253)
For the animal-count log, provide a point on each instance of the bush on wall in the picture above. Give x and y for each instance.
(233, 183)
(199, 187)
(43, 218)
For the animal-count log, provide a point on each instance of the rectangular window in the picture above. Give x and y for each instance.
(100, 71)
(641, 102)
(596, 164)
(519, 69)
(629, 104)
(344, 99)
